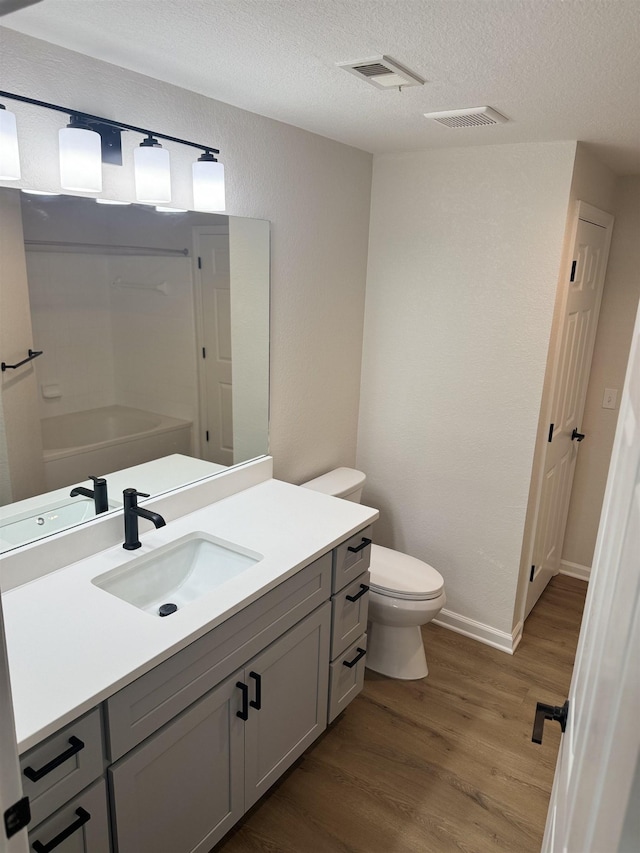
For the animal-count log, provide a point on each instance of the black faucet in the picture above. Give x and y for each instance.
(131, 513)
(98, 493)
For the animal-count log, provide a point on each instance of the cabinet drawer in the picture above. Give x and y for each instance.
(351, 558)
(349, 617)
(61, 766)
(345, 682)
(148, 703)
(80, 826)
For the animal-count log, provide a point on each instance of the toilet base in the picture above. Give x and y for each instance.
(396, 651)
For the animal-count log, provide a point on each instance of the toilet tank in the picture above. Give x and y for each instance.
(343, 483)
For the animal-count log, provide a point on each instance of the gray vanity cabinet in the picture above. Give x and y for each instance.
(350, 606)
(183, 788)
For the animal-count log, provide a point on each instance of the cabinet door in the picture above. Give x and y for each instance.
(182, 789)
(288, 685)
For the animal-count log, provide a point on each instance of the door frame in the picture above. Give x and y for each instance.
(581, 210)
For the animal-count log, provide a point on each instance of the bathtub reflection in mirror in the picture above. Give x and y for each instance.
(154, 329)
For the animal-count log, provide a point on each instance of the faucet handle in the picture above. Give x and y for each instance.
(98, 481)
(135, 492)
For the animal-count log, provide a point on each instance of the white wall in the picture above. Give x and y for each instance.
(464, 252)
(316, 193)
(21, 463)
(610, 356)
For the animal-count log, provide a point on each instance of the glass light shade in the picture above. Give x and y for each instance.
(152, 174)
(208, 185)
(9, 155)
(112, 201)
(80, 159)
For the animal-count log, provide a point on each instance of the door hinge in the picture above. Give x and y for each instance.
(17, 817)
(532, 573)
(200, 265)
(573, 271)
(551, 432)
(206, 435)
(204, 352)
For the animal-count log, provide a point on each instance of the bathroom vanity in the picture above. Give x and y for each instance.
(143, 734)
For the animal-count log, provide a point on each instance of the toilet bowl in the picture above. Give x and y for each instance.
(405, 593)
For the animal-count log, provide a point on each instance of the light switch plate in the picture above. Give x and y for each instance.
(610, 399)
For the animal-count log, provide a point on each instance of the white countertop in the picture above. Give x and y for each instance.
(71, 644)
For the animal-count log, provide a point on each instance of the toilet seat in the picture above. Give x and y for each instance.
(397, 575)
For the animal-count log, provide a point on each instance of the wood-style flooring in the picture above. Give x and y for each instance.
(443, 764)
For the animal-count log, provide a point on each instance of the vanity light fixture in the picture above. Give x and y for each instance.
(208, 183)
(81, 166)
(152, 172)
(9, 154)
(80, 157)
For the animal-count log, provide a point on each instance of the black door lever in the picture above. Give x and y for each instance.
(576, 436)
(548, 712)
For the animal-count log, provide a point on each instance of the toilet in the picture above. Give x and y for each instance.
(405, 593)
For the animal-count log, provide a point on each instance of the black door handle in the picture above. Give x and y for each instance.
(576, 436)
(363, 588)
(548, 712)
(36, 775)
(257, 702)
(244, 712)
(361, 546)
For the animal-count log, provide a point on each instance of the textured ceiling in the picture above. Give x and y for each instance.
(559, 69)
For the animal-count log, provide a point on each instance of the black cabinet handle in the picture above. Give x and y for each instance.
(83, 817)
(257, 702)
(363, 588)
(36, 775)
(361, 546)
(350, 663)
(576, 436)
(548, 712)
(244, 713)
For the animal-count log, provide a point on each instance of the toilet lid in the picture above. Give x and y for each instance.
(402, 576)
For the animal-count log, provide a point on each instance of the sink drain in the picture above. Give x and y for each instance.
(167, 609)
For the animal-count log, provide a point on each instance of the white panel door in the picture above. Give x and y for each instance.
(601, 745)
(577, 333)
(214, 323)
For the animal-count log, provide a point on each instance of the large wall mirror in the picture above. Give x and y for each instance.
(154, 331)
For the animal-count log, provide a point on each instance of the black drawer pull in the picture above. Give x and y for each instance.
(244, 713)
(350, 663)
(83, 817)
(257, 702)
(361, 546)
(36, 775)
(363, 588)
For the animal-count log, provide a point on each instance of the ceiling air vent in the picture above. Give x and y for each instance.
(382, 72)
(473, 117)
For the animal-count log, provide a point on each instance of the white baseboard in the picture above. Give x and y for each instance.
(575, 570)
(479, 631)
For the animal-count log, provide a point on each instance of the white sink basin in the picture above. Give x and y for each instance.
(178, 573)
(16, 530)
